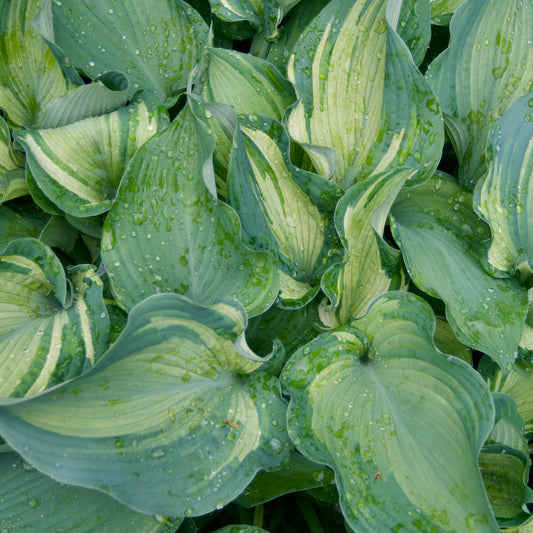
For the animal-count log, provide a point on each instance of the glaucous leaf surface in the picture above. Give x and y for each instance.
(370, 267)
(374, 109)
(505, 463)
(504, 196)
(156, 44)
(262, 16)
(105, 94)
(32, 501)
(276, 214)
(30, 76)
(174, 405)
(79, 166)
(375, 400)
(20, 221)
(47, 333)
(414, 27)
(298, 474)
(12, 179)
(440, 239)
(488, 64)
(249, 84)
(165, 215)
(441, 10)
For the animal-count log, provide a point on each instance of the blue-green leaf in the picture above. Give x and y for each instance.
(167, 233)
(156, 44)
(440, 239)
(488, 64)
(178, 406)
(400, 423)
(361, 95)
(47, 334)
(504, 196)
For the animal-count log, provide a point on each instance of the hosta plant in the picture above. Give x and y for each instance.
(266, 266)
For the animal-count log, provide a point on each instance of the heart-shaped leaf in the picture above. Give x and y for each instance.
(440, 238)
(504, 196)
(156, 44)
(46, 334)
(361, 95)
(376, 403)
(167, 233)
(488, 65)
(79, 166)
(175, 405)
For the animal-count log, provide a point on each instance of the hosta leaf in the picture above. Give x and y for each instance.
(47, 335)
(32, 501)
(400, 423)
(519, 385)
(276, 215)
(370, 266)
(262, 16)
(251, 86)
(79, 166)
(442, 9)
(502, 197)
(248, 83)
(446, 341)
(167, 233)
(12, 179)
(414, 27)
(20, 221)
(13, 185)
(440, 237)
(156, 44)
(505, 463)
(298, 474)
(374, 110)
(481, 73)
(106, 94)
(30, 76)
(282, 47)
(174, 406)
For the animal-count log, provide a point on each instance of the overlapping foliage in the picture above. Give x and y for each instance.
(266, 266)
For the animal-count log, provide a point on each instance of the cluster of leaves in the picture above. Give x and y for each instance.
(266, 265)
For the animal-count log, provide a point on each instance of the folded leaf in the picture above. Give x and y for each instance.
(79, 166)
(481, 72)
(12, 179)
(400, 423)
(414, 27)
(504, 197)
(33, 501)
(440, 237)
(276, 214)
(261, 16)
(505, 463)
(106, 94)
(167, 233)
(361, 95)
(370, 266)
(30, 76)
(174, 406)
(156, 44)
(248, 83)
(46, 334)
